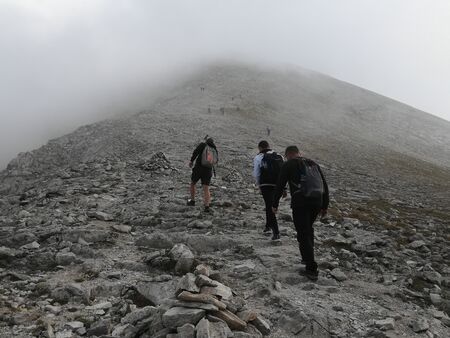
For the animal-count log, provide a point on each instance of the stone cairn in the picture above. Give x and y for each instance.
(202, 307)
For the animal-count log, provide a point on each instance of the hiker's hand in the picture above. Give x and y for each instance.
(323, 212)
(190, 164)
(274, 210)
(284, 194)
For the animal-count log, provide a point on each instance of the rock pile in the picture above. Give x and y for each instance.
(157, 162)
(196, 305)
(206, 308)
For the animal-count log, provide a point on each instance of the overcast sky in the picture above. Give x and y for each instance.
(65, 63)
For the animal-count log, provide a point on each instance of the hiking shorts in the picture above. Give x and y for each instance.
(201, 174)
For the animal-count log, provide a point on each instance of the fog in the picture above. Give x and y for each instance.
(66, 63)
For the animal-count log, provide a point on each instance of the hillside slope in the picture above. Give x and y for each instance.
(90, 218)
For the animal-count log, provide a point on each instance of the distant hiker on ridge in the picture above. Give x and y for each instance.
(309, 197)
(266, 168)
(205, 157)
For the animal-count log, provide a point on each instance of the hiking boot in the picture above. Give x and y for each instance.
(190, 203)
(275, 237)
(267, 231)
(310, 274)
(207, 208)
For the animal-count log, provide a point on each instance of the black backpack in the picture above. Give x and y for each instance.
(270, 168)
(311, 182)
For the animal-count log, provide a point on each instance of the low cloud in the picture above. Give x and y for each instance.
(67, 63)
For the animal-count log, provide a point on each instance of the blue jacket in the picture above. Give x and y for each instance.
(257, 165)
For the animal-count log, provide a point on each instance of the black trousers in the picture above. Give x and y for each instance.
(271, 219)
(304, 218)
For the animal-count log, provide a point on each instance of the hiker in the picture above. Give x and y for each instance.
(205, 157)
(266, 168)
(268, 131)
(309, 198)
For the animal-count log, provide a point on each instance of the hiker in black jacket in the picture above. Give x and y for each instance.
(309, 197)
(205, 157)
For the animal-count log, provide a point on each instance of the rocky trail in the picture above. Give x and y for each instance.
(96, 239)
(100, 253)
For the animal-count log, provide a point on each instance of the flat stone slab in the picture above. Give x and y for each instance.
(178, 316)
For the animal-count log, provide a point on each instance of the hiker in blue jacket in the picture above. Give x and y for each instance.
(266, 168)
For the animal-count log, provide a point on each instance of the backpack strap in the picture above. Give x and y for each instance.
(299, 185)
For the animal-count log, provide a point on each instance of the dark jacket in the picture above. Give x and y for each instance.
(290, 173)
(197, 154)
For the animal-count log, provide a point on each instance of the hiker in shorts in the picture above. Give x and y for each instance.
(266, 168)
(309, 198)
(205, 157)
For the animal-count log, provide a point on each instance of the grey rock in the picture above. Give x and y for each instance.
(187, 283)
(100, 306)
(121, 228)
(65, 258)
(31, 246)
(207, 329)
(293, 321)
(203, 329)
(220, 329)
(53, 309)
(64, 334)
(196, 305)
(124, 331)
(446, 321)
(220, 290)
(156, 292)
(100, 215)
(416, 244)
(262, 325)
(385, 324)
(100, 328)
(432, 276)
(178, 316)
(339, 241)
(338, 274)
(420, 325)
(202, 269)
(186, 331)
(247, 266)
(72, 292)
(73, 325)
(202, 280)
(7, 253)
(435, 299)
(156, 241)
(163, 333)
(138, 315)
(23, 214)
(183, 257)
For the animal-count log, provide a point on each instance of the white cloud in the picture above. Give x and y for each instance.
(66, 62)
